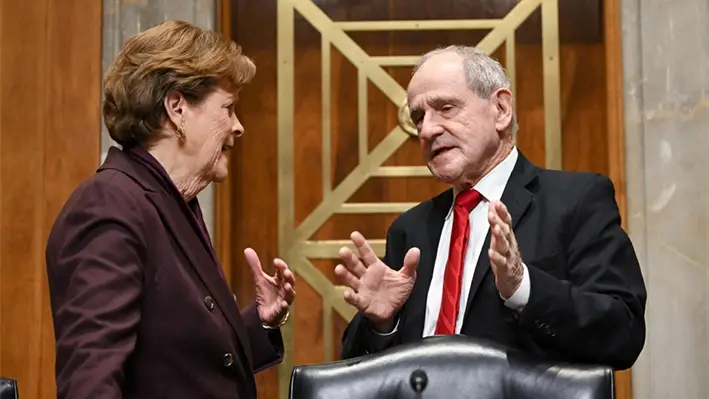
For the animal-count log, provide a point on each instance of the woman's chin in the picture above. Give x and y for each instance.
(220, 175)
(221, 169)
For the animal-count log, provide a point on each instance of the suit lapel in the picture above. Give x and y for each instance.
(200, 259)
(517, 199)
(440, 205)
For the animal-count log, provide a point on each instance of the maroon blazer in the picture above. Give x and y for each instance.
(140, 305)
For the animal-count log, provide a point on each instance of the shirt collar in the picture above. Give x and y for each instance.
(493, 184)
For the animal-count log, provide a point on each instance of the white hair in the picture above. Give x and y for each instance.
(484, 74)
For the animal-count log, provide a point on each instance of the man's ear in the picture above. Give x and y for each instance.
(174, 107)
(504, 109)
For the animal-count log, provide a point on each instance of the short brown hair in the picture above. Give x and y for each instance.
(172, 56)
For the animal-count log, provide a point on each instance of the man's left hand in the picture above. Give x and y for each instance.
(274, 294)
(505, 259)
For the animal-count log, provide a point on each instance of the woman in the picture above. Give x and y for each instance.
(141, 308)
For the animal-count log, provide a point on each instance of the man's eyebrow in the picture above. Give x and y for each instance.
(442, 100)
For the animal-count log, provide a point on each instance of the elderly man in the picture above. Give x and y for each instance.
(531, 258)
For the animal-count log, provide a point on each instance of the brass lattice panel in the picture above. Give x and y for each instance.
(295, 242)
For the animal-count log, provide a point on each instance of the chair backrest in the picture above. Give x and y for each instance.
(8, 389)
(450, 367)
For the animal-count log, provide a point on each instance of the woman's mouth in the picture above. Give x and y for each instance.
(226, 147)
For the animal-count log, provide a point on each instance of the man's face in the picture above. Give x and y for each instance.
(459, 132)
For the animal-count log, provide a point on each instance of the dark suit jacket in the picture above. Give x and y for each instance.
(140, 307)
(587, 298)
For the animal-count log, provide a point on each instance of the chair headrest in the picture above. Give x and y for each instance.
(448, 367)
(8, 388)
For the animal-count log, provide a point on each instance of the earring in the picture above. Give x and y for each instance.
(181, 130)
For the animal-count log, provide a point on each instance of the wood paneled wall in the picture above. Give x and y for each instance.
(50, 88)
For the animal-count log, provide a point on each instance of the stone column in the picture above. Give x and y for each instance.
(123, 19)
(666, 78)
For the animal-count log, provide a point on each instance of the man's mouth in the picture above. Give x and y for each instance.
(439, 151)
(226, 147)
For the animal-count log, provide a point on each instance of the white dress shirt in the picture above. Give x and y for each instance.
(491, 187)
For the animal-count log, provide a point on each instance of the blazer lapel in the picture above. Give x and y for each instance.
(201, 260)
(416, 308)
(517, 199)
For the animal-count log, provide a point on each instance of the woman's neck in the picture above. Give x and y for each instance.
(179, 167)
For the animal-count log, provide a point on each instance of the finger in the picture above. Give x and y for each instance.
(499, 249)
(289, 277)
(497, 262)
(501, 245)
(503, 213)
(365, 250)
(283, 272)
(280, 266)
(352, 262)
(492, 217)
(347, 277)
(353, 299)
(496, 220)
(411, 262)
(254, 263)
(289, 293)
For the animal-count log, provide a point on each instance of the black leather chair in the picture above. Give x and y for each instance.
(8, 389)
(450, 367)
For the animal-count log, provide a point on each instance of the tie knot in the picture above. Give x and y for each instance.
(468, 199)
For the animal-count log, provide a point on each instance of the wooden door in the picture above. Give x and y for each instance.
(329, 148)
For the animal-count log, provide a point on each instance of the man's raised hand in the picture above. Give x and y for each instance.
(376, 290)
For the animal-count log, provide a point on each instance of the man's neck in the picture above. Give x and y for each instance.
(503, 151)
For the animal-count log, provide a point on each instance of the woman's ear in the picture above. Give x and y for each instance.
(174, 107)
(504, 109)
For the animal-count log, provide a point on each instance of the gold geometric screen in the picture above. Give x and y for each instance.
(296, 244)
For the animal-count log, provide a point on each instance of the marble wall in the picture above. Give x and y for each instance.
(123, 19)
(666, 85)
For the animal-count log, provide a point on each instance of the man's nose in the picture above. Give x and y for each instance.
(429, 129)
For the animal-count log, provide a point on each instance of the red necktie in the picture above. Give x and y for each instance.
(465, 202)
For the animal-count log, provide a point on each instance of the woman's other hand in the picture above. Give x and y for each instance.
(274, 294)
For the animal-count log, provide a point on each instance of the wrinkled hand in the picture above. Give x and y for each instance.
(505, 259)
(274, 294)
(376, 290)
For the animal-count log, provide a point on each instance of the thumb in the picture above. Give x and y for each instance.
(254, 263)
(411, 262)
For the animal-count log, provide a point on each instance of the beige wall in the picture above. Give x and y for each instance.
(666, 68)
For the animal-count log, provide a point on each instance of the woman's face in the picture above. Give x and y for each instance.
(210, 128)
